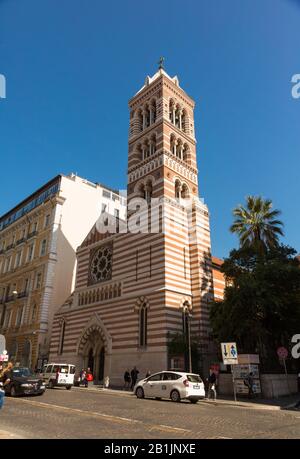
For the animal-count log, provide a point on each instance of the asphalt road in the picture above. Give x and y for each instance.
(87, 414)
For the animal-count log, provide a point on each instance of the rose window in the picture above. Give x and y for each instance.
(101, 264)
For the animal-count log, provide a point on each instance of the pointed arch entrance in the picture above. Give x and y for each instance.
(94, 348)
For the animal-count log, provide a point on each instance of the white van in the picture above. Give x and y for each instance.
(58, 375)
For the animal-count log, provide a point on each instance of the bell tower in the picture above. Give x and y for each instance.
(162, 164)
(162, 145)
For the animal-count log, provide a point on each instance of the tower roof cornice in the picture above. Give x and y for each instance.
(160, 77)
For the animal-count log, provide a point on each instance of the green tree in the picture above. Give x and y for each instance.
(178, 345)
(256, 224)
(261, 306)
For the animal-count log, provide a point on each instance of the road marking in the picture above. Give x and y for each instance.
(79, 411)
(106, 417)
(169, 428)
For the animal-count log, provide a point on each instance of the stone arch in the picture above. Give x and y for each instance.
(142, 300)
(95, 345)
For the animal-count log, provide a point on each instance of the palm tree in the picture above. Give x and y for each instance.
(256, 224)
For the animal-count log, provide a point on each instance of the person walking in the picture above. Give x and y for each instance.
(212, 380)
(134, 375)
(83, 379)
(127, 380)
(248, 381)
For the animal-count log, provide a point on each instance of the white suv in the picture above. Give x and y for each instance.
(171, 384)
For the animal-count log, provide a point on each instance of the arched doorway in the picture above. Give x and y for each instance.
(94, 356)
(94, 349)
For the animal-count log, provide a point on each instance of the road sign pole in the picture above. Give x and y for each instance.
(234, 391)
(286, 375)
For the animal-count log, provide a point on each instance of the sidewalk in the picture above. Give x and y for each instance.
(281, 403)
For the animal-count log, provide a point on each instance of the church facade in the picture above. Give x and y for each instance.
(152, 276)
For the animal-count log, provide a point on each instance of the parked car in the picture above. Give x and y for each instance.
(23, 382)
(171, 384)
(58, 375)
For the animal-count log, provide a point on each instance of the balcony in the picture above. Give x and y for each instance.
(9, 298)
(32, 234)
(20, 241)
(11, 246)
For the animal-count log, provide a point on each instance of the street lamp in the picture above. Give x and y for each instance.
(189, 337)
(187, 316)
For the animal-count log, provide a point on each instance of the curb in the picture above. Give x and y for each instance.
(232, 403)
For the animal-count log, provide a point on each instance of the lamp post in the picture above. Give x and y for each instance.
(189, 341)
(187, 316)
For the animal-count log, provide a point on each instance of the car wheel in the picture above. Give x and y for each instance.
(68, 387)
(139, 392)
(193, 400)
(13, 391)
(175, 396)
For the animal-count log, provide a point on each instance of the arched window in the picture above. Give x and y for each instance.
(173, 144)
(185, 152)
(184, 191)
(143, 325)
(152, 111)
(62, 337)
(184, 120)
(177, 189)
(152, 144)
(172, 110)
(139, 117)
(148, 191)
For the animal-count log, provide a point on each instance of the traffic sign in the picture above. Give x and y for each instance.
(282, 353)
(229, 353)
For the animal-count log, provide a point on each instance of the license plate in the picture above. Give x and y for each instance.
(196, 386)
(62, 380)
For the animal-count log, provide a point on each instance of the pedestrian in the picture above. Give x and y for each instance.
(212, 380)
(127, 380)
(89, 376)
(134, 374)
(148, 374)
(83, 379)
(106, 382)
(248, 381)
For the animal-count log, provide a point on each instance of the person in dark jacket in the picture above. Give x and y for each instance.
(134, 375)
(212, 381)
(248, 381)
(126, 380)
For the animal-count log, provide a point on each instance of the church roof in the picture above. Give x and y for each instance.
(160, 72)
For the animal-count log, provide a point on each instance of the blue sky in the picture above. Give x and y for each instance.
(71, 66)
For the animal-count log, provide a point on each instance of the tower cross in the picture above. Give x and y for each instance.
(161, 63)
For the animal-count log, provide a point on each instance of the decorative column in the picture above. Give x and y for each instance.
(180, 119)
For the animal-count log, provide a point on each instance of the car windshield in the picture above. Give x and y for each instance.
(22, 372)
(194, 378)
